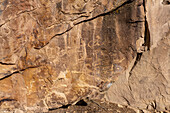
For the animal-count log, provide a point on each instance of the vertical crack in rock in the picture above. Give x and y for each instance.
(146, 40)
(147, 32)
(138, 57)
(147, 36)
(126, 100)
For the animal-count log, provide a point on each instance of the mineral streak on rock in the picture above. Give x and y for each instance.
(54, 53)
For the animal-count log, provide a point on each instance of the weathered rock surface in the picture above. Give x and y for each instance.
(54, 53)
(146, 84)
(57, 52)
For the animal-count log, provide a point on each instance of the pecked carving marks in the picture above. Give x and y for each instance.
(76, 18)
(119, 39)
(94, 45)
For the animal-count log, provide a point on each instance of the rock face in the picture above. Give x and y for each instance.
(57, 52)
(54, 53)
(146, 84)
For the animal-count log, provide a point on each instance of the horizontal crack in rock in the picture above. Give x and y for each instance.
(18, 71)
(2, 63)
(135, 21)
(3, 100)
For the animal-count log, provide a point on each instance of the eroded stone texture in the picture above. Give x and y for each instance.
(147, 87)
(158, 19)
(54, 53)
(146, 84)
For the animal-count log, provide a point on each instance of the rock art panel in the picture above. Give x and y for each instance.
(59, 52)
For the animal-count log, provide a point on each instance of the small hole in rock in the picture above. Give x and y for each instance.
(81, 103)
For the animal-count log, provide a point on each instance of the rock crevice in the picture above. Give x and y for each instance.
(55, 53)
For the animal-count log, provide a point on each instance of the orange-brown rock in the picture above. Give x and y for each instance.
(54, 53)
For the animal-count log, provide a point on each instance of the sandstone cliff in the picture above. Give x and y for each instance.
(55, 53)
